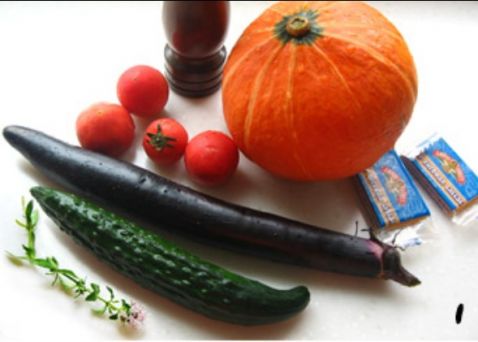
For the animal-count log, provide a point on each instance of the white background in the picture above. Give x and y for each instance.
(57, 58)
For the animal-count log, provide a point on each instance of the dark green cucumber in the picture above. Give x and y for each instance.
(166, 269)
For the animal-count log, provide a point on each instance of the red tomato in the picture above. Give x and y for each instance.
(106, 128)
(143, 90)
(211, 158)
(164, 141)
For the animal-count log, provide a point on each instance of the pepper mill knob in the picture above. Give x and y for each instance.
(195, 54)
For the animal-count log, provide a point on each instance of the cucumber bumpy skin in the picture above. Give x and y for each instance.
(170, 271)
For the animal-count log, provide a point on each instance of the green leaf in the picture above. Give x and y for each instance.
(95, 287)
(126, 306)
(110, 290)
(53, 261)
(80, 283)
(67, 272)
(93, 296)
(64, 286)
(44, 263)
(98, 312)
(57, 277)
(95, 291)
(111, 309)
(16, 260)
(34, 218)
(28, 211)
(20, 223)
(29, 252)
(113, 316)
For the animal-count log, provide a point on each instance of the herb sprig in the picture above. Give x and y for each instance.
(129, 313)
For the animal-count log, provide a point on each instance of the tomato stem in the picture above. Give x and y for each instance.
(160, 141)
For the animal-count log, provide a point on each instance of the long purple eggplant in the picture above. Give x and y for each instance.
(158, 201)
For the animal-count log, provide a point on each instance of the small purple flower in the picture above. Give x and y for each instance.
(136, 316)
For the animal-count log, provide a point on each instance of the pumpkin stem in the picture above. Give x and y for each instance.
(298, 26)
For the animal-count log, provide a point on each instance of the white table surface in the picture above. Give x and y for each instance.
(58, 58)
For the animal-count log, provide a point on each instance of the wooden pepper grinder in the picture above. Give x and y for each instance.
(195, 54)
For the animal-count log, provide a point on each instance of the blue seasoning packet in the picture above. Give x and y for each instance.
(446, 178)
(392, 200)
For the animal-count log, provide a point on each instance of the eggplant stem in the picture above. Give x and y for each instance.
(404, 277)
(391, 264)
(393, 269)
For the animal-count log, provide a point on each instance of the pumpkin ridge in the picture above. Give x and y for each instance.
(268, 29)
(330, 4)
(391, 33)
(339, 74)
(290, 112)
(272, 9)
(377, 55)
(320, 6)
(232, 69)
(253, 96)
(305, 5)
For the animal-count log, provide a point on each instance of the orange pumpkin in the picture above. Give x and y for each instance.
(318, 90)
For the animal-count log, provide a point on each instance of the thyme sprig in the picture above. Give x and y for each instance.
(124, 311)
